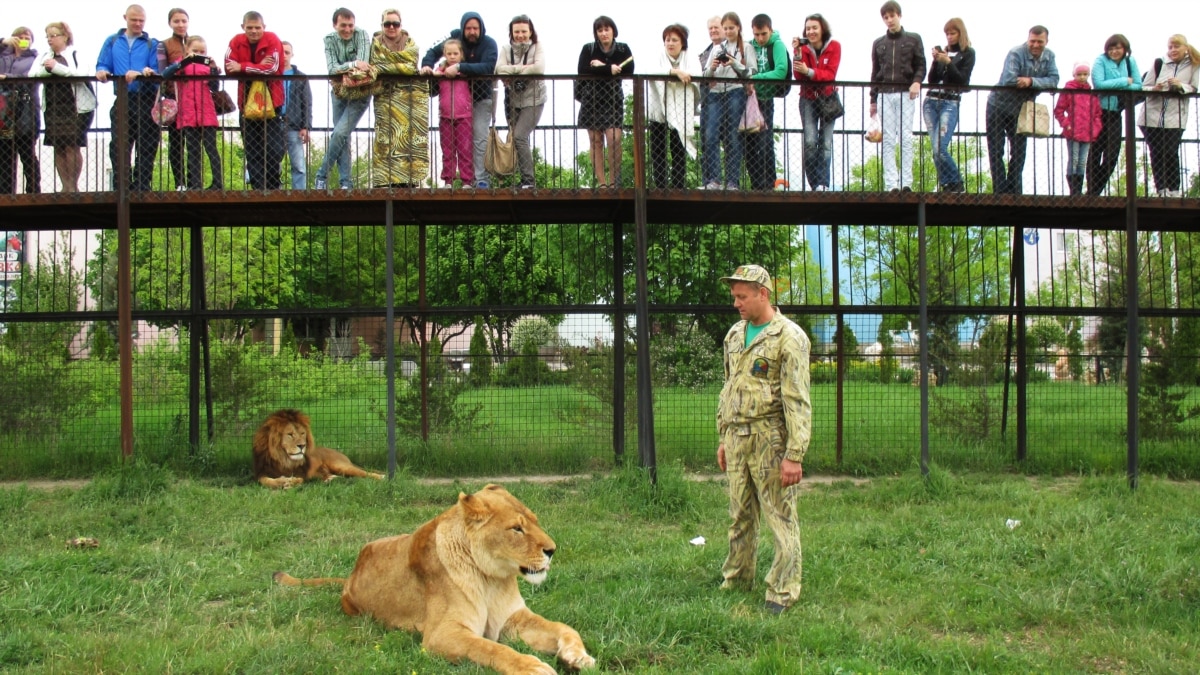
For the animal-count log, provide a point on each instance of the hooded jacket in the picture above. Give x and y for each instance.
(479, 58)
(774, 49)
(14, 66)
(1078, 112)
(1169, 109)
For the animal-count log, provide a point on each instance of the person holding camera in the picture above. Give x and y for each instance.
(951, 66)
(524, 99)
(17, 57)
(726, 102)
(816, 59)
(197, 116)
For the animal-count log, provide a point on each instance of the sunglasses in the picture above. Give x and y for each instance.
(391, 24)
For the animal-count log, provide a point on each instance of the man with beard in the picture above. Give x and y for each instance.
(479, 58)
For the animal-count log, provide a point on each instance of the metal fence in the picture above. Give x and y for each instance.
(561, 327)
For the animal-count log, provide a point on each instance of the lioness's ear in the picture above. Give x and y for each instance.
(473, 507)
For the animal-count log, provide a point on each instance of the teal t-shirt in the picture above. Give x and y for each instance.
(752, 331)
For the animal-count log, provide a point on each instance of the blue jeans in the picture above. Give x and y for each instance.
(346, 115)
(818, 145)
(941, 120)
(1001, 122)
(721, 130)
(1077, 155)
(297, 159)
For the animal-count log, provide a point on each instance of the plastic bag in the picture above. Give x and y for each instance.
(752, 119)
(259, 105)
(874, 130)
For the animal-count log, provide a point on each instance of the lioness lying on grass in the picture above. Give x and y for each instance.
(455, 581)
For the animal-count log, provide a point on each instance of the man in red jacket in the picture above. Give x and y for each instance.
(257, 51)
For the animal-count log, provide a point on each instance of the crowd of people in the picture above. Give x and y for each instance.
(733, 83)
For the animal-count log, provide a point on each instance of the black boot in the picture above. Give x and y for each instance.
(1075, 183)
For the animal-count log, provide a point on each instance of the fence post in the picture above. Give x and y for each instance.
(645, 402)
(923, 325)
(124, 273)
(840, 404)
(618, 271)
(1133, 347)
(196, 250)
(389, 332)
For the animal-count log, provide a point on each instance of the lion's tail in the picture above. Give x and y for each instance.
(285, 579)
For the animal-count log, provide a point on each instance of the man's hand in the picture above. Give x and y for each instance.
(790, 473)
(1024, 82)
(914, 90)
(102, 75)
(451, 70)
(362, 65)
(721, 456)
(269, 61)
(131, 75)
(425, 70)
(233, 67)
(874, 109)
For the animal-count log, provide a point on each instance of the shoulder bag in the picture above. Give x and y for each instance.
(500, 158)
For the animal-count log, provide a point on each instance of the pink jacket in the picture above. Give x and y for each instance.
(1079, 113)
(454, 98)
(195, 99)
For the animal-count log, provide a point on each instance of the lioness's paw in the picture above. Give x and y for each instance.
(529, 665)
(580, 662)
(376, 476)
(290, 482)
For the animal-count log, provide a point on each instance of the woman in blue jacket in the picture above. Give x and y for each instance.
(1114, 70)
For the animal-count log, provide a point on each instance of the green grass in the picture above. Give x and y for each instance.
(901, 575)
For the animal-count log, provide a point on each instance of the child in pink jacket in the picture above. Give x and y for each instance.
(197, 116)
(454, 107)
(1079, 114)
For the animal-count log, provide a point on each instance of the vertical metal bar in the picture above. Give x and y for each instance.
(196, 275)
(840, 422)
(389, 332)
(1014, 254)
(1133, 345)
(645, 401)
(618, 345)
(923, 322)
(1022, 352)
(124, 271)
(422, 307)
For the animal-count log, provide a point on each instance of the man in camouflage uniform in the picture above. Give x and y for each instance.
(764, 420)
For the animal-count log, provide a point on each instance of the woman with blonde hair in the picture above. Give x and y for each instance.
(69, 106)
(1164, 116)
(950, 69)
(401, 157)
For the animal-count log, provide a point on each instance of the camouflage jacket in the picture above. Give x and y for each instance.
(766, 384)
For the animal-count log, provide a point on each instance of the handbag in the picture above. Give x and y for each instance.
(1033, 120)
(829, 108)
(259, 105)
(223, 102)
(752, 118)
(500, 158)
(164, 111)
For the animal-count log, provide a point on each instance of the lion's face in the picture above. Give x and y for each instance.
(505, 535)
(293, 442)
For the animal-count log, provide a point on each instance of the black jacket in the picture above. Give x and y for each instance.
(297, 110)
(478, 58)
(897, 59)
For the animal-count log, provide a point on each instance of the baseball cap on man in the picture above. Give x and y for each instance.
(752, 273)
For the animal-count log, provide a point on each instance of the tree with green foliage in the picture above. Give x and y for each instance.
(962, 261)
(480, 356)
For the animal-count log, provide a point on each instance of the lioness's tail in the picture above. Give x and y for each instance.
(285, 579)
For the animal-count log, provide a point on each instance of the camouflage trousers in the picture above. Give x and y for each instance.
(752, 460)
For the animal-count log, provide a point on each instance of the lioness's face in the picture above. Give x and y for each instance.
(294, 442)
(513, 541)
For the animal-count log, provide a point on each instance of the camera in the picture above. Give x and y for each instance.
(804, 42)
(722, 55)
(519, 86)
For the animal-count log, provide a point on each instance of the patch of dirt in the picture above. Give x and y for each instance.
(71, 484)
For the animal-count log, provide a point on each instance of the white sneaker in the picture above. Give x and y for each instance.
(820, 188)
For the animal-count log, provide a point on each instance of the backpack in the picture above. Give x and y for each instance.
(782, 89)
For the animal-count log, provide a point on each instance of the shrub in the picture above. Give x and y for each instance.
(687, 358)
(446, 412)
(480, 356)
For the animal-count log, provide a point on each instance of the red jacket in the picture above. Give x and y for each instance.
(195, 100)
(1078, 112)
(823, 69)
(251, 63)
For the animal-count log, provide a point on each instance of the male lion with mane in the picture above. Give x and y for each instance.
(455, 581)
(286, 455)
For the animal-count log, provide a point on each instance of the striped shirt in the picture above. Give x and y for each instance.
(340, 54)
